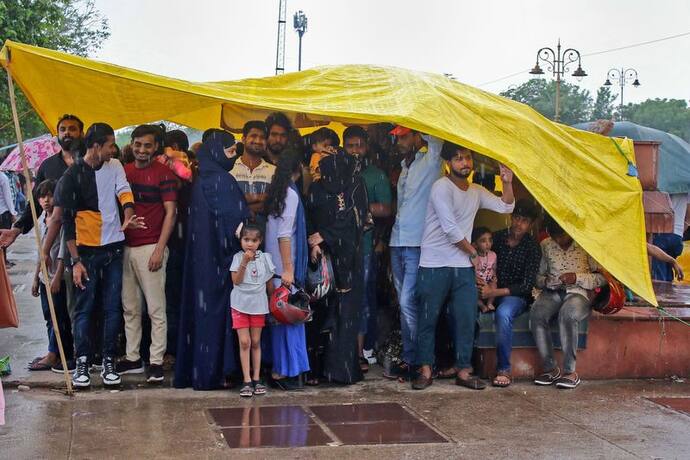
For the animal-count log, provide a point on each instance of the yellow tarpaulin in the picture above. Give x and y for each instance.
(580, 178)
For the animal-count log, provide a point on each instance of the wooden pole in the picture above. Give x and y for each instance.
(34, 215)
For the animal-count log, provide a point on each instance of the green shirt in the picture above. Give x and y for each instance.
(379, 192)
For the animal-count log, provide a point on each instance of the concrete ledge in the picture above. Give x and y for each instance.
(637, 342)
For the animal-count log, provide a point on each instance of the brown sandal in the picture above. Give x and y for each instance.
(502, 384)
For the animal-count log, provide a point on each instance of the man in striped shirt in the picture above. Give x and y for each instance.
(91, 190)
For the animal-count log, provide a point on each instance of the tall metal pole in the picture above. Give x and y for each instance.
(280, 46)
(623, 75)
(558, 71)
(557, 63)
(299, 59)
(621, 82)
(34, 216)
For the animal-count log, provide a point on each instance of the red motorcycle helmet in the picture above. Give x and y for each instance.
(290, 307)
(610, 298)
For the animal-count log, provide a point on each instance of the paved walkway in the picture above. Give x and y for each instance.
(600, 419)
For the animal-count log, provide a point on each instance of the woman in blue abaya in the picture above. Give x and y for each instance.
(205, 346)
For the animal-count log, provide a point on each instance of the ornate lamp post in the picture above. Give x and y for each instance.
(300, 25)
(623, 76)
(557, 63)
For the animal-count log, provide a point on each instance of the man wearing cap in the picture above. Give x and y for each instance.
(517, 266)
(421, 166)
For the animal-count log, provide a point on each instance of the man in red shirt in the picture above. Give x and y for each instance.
(155, 199)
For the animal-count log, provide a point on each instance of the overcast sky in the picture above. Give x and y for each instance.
(478, 42)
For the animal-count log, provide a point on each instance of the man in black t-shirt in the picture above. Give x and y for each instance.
(518, 257)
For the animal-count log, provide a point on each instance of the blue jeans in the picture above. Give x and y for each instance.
(64, 324)
(405, 264)
(672, 245)
(571, 310)
(435, 286)
(104, 269)
(508, 308)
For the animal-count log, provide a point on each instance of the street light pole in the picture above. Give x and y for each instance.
(300, 25)
(557, 63)
(624, 76)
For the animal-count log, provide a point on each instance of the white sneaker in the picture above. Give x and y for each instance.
(108, 374)
(81, 378)
(369, 355)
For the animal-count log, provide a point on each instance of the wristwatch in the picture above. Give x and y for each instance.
(75, 260)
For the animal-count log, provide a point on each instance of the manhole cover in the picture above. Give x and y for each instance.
(305, 426)
(681, 405)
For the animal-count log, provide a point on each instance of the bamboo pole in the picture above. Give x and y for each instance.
(34, 215)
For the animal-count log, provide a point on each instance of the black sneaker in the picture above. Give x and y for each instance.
(81, 377)
(71, 366)
(130, 367)
(548, 378)
(155, 374)
(568, 382)
(109, 374)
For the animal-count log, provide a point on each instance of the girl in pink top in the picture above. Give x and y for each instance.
(484, 264)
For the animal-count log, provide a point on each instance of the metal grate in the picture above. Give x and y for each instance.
(323, 425)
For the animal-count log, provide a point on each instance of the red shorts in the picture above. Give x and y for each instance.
(245, 320)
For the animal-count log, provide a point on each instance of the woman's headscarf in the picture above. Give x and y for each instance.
(338, 172)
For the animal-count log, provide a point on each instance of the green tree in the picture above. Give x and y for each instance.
(670, 115)
(540, 94)
(74, 26)
(604, 104)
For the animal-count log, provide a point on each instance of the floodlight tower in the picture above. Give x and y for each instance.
(300, 25)
(280, 51)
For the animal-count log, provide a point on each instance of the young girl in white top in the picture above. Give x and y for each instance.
(251, 271)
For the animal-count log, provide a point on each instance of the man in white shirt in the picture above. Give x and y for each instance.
(446, 270)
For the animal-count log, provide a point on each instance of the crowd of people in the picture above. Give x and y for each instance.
(181, 249)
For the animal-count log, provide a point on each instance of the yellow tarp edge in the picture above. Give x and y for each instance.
(578, 177)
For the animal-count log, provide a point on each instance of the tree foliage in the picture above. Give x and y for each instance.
(73, 26)
(670, 115)
(540, 94)
(603, 107)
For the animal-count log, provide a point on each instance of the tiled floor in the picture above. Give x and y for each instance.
(677, 404)
(345, 424)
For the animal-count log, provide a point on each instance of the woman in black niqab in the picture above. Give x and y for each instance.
(337, 209)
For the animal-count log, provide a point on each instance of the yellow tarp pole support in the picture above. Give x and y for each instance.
(34, 215)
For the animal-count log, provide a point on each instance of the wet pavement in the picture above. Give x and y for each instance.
(600, 419)
(373, 419)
